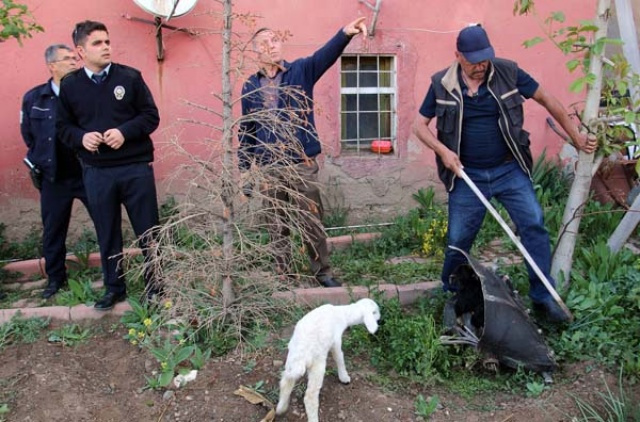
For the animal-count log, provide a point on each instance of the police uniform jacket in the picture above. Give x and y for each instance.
(123, 101)
(38, 128)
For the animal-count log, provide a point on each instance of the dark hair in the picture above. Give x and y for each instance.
(84, 29)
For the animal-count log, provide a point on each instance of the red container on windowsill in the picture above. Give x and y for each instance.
(381, 147)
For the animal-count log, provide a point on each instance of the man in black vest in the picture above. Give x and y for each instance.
(60, 175)
(107, 114)
(478, 105)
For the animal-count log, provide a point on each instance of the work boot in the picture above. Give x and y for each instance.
(551, 311)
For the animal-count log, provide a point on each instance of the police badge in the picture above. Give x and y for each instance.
(119, 92)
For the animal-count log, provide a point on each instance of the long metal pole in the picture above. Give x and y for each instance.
(520, 246)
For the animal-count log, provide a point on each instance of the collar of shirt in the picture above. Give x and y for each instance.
(105, 71)
(280, 66)
(55, 88)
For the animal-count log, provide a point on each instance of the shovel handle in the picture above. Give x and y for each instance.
(520, 246)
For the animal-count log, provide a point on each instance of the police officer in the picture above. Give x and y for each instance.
(60, 170)
(107, 114)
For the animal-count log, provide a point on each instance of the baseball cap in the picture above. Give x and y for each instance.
(473, 43)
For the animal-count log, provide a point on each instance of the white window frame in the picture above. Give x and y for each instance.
(393, 90)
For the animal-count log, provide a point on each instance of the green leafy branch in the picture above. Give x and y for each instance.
(618, 108)
(16, 22)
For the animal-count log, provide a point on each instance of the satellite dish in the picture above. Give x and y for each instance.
(166, 8)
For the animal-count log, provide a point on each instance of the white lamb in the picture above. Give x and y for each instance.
(317, 333)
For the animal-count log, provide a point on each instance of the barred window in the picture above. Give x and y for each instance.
(368, 101)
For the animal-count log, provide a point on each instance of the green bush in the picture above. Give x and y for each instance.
(29, 247)
(406, 343)
(605, 298)
(21, 330)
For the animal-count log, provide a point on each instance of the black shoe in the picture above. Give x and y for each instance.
(551, 311)
(109, 300)
(328, 281)
(51, 289)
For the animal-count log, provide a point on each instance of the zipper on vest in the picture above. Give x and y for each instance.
(502, 121)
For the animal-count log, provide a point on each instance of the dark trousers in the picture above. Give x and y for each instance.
(307, 200)
(56, 202)
(131, 185)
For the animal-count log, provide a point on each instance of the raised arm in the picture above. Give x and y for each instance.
(326, 56)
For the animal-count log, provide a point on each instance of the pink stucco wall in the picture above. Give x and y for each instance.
(421, 34)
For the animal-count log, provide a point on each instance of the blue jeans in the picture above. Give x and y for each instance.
(511, 186)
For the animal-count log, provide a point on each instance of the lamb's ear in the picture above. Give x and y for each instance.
(370, 322)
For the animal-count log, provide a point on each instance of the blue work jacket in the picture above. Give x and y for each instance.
(38, 128)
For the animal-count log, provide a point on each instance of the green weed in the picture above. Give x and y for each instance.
(407, 343)
(249, 366)
(168, 209)
(614, 406)
(603, 292)
(425, 408)
(535, 388)
(337, 217)
(82, 249)
(171, 342)
(4, 409)
(69, 335)
(20, 330)
(29, 247)
(79, 292)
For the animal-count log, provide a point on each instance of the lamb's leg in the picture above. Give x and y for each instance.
(338, 357)
(312, 395)
(289, 378)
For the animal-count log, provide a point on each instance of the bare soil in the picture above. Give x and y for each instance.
(103, 380)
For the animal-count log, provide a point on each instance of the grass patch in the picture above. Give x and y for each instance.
(20, 330)
(69, 335)
(611, 406)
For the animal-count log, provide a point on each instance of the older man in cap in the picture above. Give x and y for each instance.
(477, 102)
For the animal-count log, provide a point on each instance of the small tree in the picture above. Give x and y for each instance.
(213, 253)
(586, 44)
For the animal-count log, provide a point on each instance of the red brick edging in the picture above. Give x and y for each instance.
(407, 294)
(30, 267)
(63, 313)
